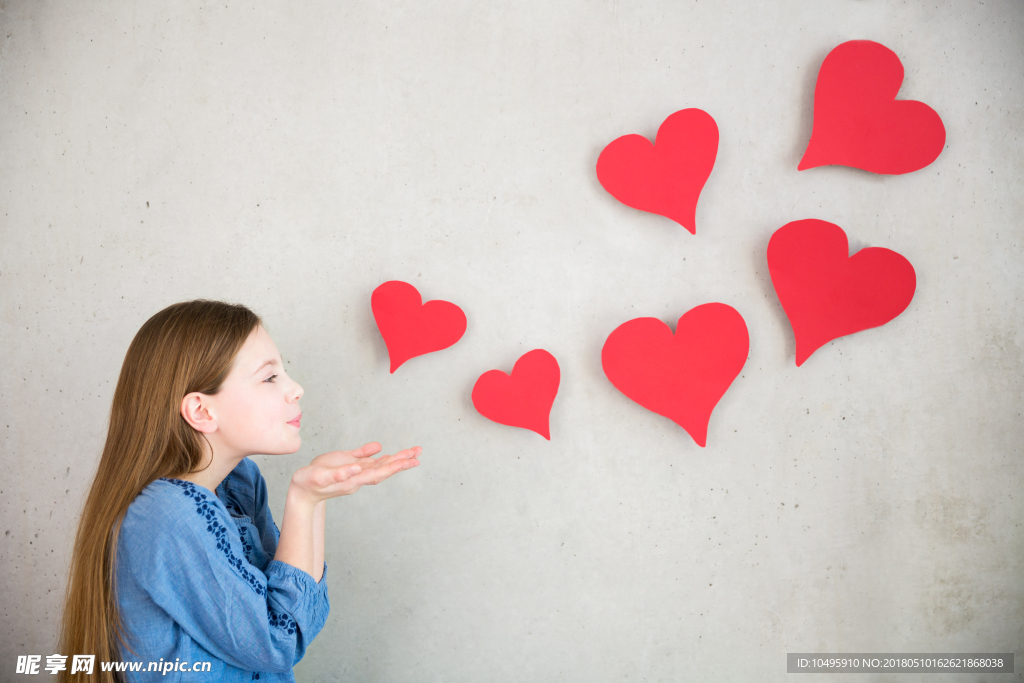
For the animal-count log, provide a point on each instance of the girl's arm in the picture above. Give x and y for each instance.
(319, 526)
(338, 473)
(303, 519)
(295, 546)
(180, 547)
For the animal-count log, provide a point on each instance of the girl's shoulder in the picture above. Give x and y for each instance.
(167, 505)
(177, 531)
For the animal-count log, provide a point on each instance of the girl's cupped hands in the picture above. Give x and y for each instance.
(340, 473)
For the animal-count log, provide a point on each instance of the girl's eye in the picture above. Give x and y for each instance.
(270, 379)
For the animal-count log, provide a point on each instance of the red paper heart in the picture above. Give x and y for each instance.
(664, 178)
(411, 328)
(680, 376)
(859, 122)
(827, 293)
(524, 398)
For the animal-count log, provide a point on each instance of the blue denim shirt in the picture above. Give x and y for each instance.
(196, 582)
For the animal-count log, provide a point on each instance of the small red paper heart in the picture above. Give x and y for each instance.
(681, 376)
(827, 293)
(411, 328)
(664, 178)
(859, 122)
(524, 398)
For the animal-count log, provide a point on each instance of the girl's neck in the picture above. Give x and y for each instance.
(211, 476)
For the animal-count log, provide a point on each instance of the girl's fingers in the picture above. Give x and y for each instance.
(373, 448)
(413, 452)
(325, 477)
(389, 460)
(402, 455)
(338, 458)
(367, 449)
(381, 473)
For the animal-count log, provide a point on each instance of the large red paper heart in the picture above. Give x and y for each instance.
(681, 376)
(859, 122)
(411, 328)
(827, 293)
(524, 398)
(664, 178)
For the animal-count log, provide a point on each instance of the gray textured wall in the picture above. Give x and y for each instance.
(292, 156)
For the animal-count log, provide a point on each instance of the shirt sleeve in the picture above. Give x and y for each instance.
(261, 517)
(191, 563)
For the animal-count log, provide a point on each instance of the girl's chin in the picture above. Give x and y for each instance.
(293, 446)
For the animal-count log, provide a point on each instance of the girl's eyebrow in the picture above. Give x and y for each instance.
(268, 362)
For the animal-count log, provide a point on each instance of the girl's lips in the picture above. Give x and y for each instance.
(296, 421)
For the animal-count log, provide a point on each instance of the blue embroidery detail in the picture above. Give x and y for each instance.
(236, 511)
(247, 547)
(282, 621)
(219, 531)
(233, 508)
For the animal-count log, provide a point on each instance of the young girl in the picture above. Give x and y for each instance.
(177, 560)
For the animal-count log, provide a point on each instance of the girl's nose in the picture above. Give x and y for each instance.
(297, 391)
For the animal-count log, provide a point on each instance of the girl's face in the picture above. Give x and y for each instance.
(257, 407)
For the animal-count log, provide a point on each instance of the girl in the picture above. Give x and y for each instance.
(177, 560)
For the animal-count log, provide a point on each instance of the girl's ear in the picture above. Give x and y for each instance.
(195, 408)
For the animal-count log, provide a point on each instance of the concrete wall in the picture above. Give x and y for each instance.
(294, 155)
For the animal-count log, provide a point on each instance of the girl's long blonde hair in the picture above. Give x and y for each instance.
(186, 347)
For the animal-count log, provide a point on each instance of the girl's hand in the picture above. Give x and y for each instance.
(340, 473)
